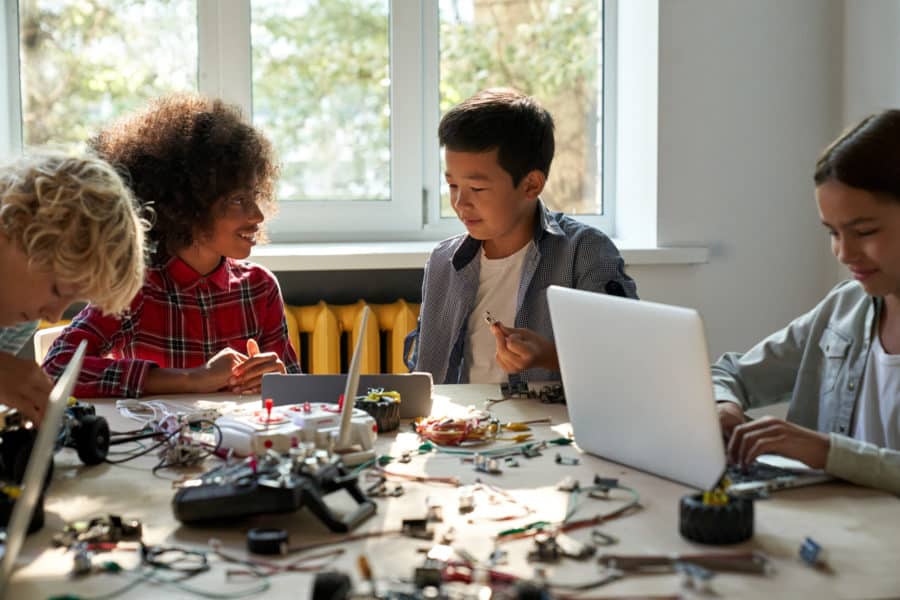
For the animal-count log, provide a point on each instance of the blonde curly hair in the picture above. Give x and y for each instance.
(75, 216)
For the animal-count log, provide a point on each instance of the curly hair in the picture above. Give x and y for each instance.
(183, 154)
(75, 216)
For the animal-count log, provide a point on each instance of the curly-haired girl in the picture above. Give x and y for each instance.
(205, 319)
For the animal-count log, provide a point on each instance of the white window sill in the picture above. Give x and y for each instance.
(412, 255)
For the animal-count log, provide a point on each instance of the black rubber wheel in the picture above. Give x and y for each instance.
(710, 524)
(92, 439)
(331, 585)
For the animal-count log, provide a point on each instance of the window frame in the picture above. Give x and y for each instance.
(413, 211)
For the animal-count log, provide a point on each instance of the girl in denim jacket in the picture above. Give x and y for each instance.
(839, 364)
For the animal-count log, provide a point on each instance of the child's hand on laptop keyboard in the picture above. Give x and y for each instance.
(521, 349)
(730, 416)
(769, 435)
(24, 386)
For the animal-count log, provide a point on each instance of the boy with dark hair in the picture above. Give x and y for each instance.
(498, 149)
(205, 320)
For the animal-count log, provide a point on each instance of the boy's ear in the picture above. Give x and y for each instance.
(533, 184)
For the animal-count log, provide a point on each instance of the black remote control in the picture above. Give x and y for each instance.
(272, 483)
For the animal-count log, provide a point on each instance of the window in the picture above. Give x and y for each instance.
(321, 89)
(85, 62)
(349, 91)
(550, 49)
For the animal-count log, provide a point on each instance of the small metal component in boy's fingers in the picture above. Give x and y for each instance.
(489, 318)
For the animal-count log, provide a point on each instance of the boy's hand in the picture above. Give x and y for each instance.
(730, 416)
(24, 386)
(214, 376)
(520, 349)
(246, 377)
(769, 435)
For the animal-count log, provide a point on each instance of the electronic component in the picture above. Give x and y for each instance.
(812, 553)
(484, 464)
(572, 548)
(430, 574)
(566, 460)
(531, 451)
(545, 548)
(434, 509)
(267, 541)
(82, 563)
(108, 529)
(466, 501)
(488, 318)
(694, 576)
(417, 528)
(251, 430)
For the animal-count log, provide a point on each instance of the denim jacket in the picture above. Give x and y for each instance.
(13, 339)
(817, 363)
(565, 252)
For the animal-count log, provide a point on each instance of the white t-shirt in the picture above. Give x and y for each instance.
(878, 407)
(498, 287)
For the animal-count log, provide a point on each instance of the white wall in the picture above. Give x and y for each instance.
(871, 57)
(749, 94)
(871, 63)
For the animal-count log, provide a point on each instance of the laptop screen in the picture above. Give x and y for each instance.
(38, 464)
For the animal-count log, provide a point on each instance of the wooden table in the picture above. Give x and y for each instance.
(859, 528)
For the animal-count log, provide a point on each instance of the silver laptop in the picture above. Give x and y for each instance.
(639, 390)
(38, 463)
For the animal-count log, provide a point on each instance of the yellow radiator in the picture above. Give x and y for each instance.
(326, 323)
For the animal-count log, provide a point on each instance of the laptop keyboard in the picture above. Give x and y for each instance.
(754, 472)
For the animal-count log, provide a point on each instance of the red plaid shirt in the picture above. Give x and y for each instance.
(178, 320)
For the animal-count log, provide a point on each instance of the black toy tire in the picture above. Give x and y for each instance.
(92, 440)
(385, 412)
(331, 585)
(710, 524)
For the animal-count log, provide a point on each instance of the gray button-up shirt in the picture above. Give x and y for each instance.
(565, 252)
(817, 364)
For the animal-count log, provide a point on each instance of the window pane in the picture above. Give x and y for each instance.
(321, 90)
(86, 62)
(550, 49)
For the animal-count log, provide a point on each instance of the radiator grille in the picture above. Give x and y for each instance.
(324, 335)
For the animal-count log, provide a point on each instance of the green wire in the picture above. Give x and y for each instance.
(108, 596)
(429, 446)
(155, 577)
(524, 528)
